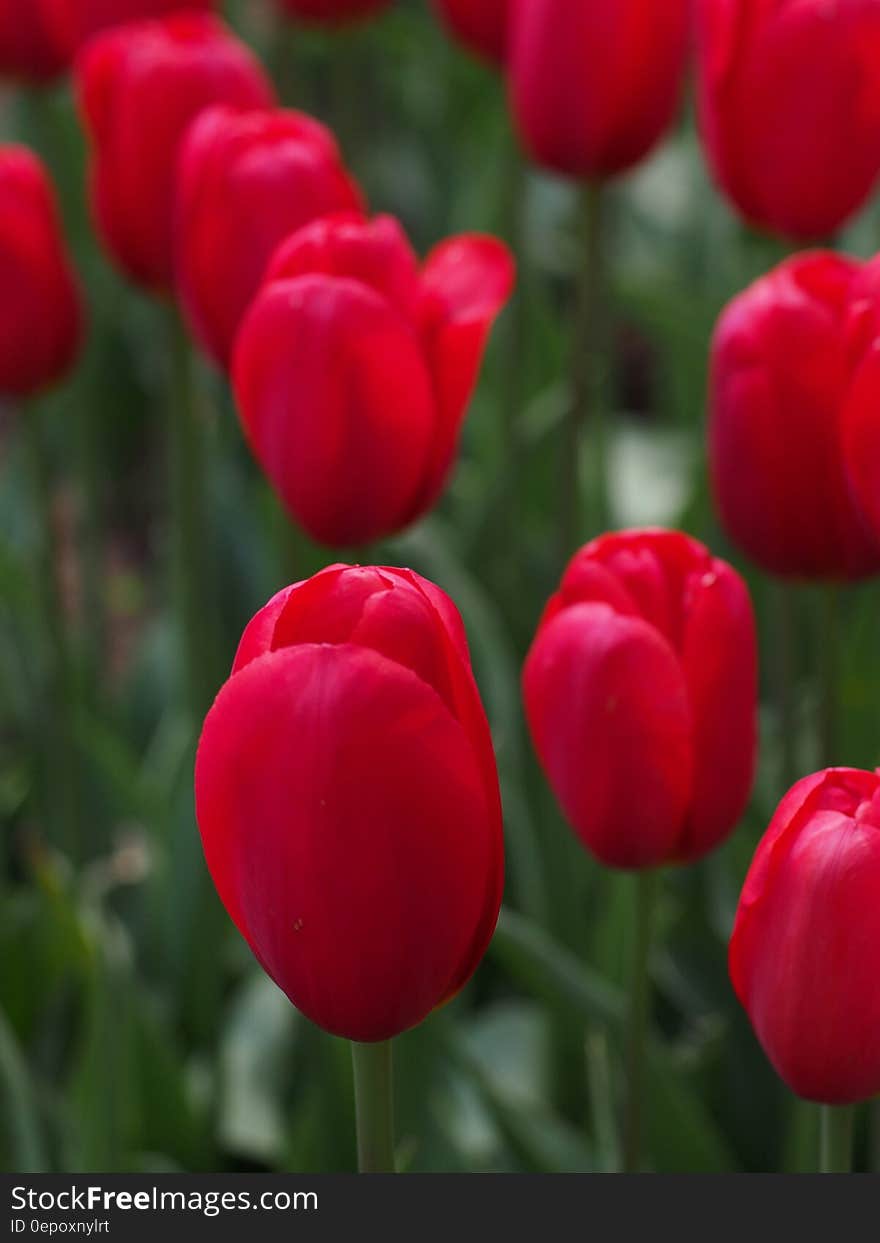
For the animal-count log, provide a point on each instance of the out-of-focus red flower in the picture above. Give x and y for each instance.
(481, 25)
(803, 956)
(790, 108)
(348, 800)
(30, 48)
(641, 696)
(353, 370)
(595, 85)
(75, 21)
(791, 432)
(41, 317)
(247, 181)
(140, 87)
(332, 12)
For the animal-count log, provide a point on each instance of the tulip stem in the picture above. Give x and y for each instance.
(191, 582)
(836, 1140)
(586, 363)
(57, 726)
(830, 661)
(374, 1103)
(785, 676)
(639, 1012)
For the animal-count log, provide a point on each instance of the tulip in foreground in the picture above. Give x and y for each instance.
(41, 316)
(794, 431)
(789, 97)
(246, 181)
(641, 695)
(481, 25)
(348, 800)
(803, 956)
(354, 368)
(140, 87)
(594, 86)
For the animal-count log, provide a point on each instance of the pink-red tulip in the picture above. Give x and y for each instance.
(595, 85)
(354, 368)
(41, 317)
(793, 402)
(246, 182)
(481, 25)
(790, 108)
(804, 952)
(140, 87)
(332, 12)
(641, 696)
(348, 800)
(30, 48)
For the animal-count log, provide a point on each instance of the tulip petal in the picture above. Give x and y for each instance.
(608, 710)
(344, 822)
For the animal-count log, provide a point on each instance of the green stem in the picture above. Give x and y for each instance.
(829, 657)
(785, 671)
(57, 726)
(639, 1012)
(375, 1106)
(586, 406)
(836, 1139)
(192, 581)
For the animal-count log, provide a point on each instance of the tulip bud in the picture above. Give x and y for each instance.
(641, 695)
(595, 85)
(41, 317)
(785, 356)
(803, 952)
(140, 87)
(75, 21)
(348, 802)
(480, 24)
(332, 12)
(789, 99)
(353, 370)
(246, 181)
(29, 45)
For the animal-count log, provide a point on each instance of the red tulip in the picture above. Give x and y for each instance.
(348, 800)
(140, 87)
(803, 956)
(246, 182)
(640, 691)
(480, 24)
(790, 108)
(784, 360)
(29, 45)
(595, 85)
(75, 21)
(41, 318)
(332, 12)
(353, 370)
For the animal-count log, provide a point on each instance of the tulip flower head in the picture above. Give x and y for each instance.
(594, 86)
(30, 48)
(140, 87)
(348, 802)
(332, 12)
(247, 180)
(641, 696)
(354, 368)
(803, 956)
(481, 25)
(793, 424)
(41, 316)
(789, 100)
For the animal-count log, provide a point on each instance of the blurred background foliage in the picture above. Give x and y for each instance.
(136, 1031)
